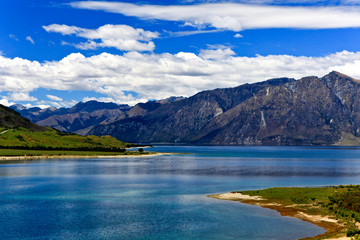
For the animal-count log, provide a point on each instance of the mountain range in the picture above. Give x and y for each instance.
(283, 111)
(77, 119)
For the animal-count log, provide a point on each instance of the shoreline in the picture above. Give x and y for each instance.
(40, 157)
(331, 225)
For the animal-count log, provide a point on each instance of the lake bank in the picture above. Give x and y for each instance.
(74, 156)
(314, 205)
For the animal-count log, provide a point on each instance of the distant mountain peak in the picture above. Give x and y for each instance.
(18, 107)
(337, 74)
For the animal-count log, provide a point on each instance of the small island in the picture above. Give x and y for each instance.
(335, 208)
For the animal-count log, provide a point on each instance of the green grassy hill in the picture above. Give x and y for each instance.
(17, 132)
(53, 139)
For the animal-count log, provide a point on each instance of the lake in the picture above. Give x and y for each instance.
(164, 197)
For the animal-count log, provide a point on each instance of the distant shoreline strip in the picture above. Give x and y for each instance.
(14, 158)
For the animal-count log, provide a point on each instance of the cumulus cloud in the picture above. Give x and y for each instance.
(158, 76)
(6, 102)
(238, 35)
(237, 16)
(216, 53)
(28, 38)
(20, 96)
(122, 37)
(54, 98)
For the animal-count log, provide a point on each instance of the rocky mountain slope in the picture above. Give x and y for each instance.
(78, 119)
(82, 117)
(308, 111)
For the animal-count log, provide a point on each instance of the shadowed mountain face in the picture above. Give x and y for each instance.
(309, 111)
(79, 119)
(12, 119)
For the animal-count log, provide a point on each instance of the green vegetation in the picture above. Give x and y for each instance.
(348, 139)
(22, 138)
(339, 202)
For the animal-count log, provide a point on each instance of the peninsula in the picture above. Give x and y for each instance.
(335, 208)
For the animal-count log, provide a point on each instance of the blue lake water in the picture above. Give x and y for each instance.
(164, 197)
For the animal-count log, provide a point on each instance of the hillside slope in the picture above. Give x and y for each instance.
(18, 132)
(12, 119)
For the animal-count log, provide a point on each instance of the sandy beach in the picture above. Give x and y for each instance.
(15, 158)
(330, 224)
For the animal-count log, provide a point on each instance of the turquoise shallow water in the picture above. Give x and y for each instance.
(164, 197)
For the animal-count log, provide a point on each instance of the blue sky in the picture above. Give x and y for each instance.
(59, 52)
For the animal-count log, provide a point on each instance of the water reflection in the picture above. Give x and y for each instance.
(163, 197)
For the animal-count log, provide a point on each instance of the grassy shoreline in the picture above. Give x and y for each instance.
(335, 208)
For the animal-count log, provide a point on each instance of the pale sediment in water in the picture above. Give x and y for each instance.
(235, 196)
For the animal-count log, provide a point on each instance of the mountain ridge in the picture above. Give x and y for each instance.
(284, 111)
(74, 119)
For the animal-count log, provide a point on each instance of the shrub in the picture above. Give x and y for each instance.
(356, 237)
(352, 231)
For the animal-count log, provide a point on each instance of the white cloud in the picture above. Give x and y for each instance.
(122, 37)
(131, 100)
(189, 33)
(54, 98)
(103, 99)
(6, 102)
(63, 29)
(45, 104)
(158, 76)
(235, 16)
(20, 96)
(42, 106)
(12, 36)
(220, 53)
(28, 38)
(238, 35)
